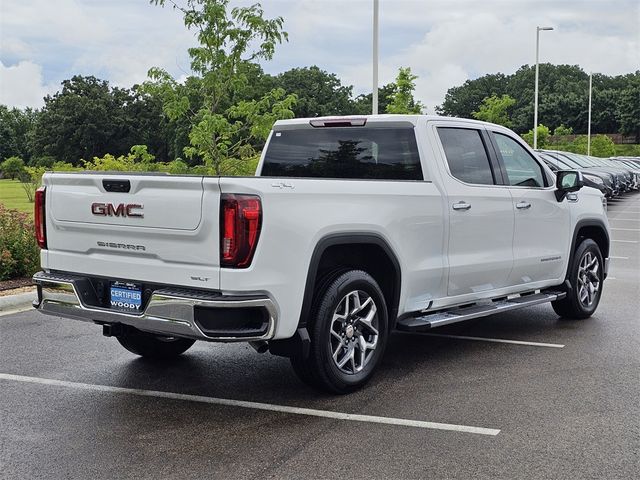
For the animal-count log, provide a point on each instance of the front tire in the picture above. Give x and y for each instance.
(586, 277)
(348, 330)
(149, 345)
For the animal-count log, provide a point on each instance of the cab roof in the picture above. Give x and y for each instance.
(361, 120)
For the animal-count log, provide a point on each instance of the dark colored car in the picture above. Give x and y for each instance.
(630, 179)
(603, 181)
(633, 163)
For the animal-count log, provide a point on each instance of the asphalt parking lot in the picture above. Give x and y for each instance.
(523, 395)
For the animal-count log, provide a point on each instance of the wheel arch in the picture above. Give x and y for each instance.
(590, 228)
(366, 251)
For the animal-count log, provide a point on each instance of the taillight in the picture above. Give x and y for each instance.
(240, 223)
(39, 217)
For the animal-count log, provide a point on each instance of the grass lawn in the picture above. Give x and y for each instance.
(12, 196)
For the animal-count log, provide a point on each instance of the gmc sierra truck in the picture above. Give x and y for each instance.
(353, 227)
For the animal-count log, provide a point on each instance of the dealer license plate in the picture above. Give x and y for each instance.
(126, 296)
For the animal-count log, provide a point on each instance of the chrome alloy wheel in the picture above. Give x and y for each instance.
(588, 279)
(354, 332)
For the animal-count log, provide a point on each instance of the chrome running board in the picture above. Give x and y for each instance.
(477, 310)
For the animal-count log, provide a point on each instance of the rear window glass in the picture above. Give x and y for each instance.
(344, 152)
(466, 155)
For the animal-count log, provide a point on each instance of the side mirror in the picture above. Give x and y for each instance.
(568, 181)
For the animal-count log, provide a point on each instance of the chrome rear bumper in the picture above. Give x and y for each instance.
(170, 312)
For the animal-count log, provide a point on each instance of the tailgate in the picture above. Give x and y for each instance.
(163, 202)
(153, 228)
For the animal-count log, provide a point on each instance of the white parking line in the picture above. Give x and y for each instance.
(618, 258)
(625, 219)
(625, 241)
(484, 339)
(627, 229)
(253, 405)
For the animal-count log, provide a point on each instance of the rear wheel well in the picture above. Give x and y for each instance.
(371, 258)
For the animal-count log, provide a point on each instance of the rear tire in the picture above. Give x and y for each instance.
(348, 329)
(586, 276)
(149, 345)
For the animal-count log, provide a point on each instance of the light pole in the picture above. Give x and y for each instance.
(535, 102)
(589, 123)
(374, 96)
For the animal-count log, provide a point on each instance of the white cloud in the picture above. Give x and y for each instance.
(497, 36)
(16, 47)
(117, 40)
(445, 42)
(22, 86)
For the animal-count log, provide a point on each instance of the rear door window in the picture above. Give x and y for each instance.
(385, 153)
(466, 155)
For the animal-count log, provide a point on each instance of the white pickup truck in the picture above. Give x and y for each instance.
(353, 227)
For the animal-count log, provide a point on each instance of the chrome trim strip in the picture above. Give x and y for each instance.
(167, 313)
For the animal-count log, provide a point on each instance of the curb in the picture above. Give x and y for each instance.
(14, 302)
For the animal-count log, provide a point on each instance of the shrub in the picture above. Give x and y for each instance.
(176, 167)
(138, 160)
(562, 131)
(543, 135)
(601, 145)
(19, 252)
(30, 181)
(12, 167)
(64, 167)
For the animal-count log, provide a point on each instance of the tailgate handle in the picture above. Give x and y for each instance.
(119, 186)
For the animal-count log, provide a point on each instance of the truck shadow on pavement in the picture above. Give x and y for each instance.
(238, 372)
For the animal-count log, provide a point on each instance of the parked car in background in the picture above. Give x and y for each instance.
(603, 181)
(630, 177)
(633, 163)
(622, 179)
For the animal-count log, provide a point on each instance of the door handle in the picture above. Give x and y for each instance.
(461, 205)
(523, 205)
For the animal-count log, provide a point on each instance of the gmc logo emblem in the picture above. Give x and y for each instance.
(120, 210)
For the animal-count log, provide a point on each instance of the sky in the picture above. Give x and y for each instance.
(445, 42)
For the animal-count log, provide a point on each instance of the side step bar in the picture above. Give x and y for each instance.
(460, 314)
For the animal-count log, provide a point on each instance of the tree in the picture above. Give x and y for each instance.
(604, 118)
(144, 124)
(402, 100)
(16, 127)
(495, 109)
(222, 126)
(88, 118)
(563, 98)
(12, 167)
(461, 101)
(362, 104)
(543, 136)
(78, 121)
(629, 108)
(319, 93)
